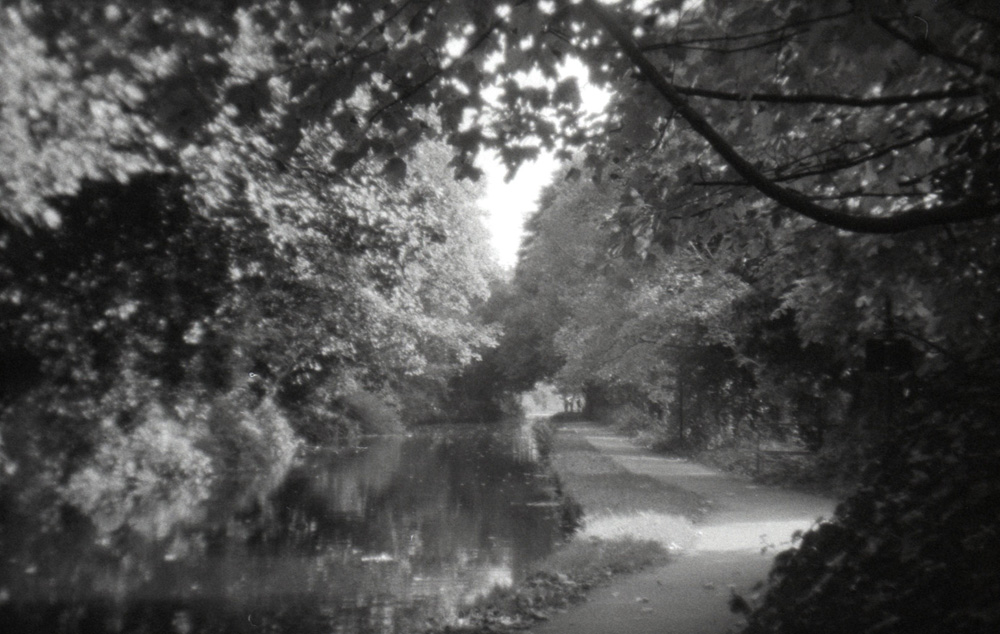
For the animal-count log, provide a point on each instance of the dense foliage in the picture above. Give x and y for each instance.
(174, 304)
(235, 214)
(910, 547)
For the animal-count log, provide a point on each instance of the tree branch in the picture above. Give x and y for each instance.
(778, 30)
(878, 152)
(829, 99)
(711, 49)
(904, 220)
(381, 25)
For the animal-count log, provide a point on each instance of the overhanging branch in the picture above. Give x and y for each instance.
(829, 99)
(903, 220)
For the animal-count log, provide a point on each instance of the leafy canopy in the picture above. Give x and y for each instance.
(870, 116)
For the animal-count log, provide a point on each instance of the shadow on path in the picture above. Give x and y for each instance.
(723, 532)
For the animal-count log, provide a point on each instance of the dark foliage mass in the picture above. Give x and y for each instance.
(130, 263)
(910, 547)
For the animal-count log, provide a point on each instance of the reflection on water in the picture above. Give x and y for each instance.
(381, 540)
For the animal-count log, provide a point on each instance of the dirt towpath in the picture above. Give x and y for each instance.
(722, 531)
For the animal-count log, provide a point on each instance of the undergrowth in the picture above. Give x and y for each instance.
(915, 549)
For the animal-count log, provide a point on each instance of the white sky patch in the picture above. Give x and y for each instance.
(595, 99)
(509, 204)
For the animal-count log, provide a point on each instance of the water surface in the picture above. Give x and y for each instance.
(385, 539)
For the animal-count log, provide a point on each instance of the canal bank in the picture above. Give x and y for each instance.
(721, 531)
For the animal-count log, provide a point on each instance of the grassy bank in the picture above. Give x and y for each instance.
(604, 488)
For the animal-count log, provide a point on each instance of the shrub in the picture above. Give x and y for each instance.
(322, 425)
(244, 437)
(913, 550)
(372, 413)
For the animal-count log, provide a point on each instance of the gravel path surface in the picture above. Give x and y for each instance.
(722, 530)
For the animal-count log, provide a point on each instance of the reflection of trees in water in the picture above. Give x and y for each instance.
(401, 532)
(149, 480)
(355, 479)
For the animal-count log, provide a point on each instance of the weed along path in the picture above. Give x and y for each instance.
(722, 532)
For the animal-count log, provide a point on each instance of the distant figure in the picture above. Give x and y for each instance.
(572, 403)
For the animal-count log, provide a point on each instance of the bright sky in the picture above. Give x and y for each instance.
(509, 204)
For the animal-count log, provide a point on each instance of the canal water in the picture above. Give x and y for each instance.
(389, 538)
